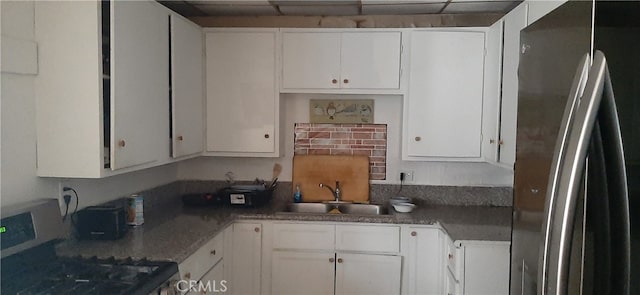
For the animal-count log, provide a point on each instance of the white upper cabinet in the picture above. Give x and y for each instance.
(102, 90)
(443, 107)
(139, 83)
(514, 22)
(311, 60)
(492, 92)
(187, 87)
(242, 95)
(318, 61)
(370, 60)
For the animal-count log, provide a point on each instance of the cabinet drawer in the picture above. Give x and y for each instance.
(303, 236)
(196, 265)
(368, 238)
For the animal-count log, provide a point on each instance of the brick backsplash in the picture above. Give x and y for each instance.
(345, 139)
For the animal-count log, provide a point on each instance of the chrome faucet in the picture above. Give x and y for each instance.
(336, 192)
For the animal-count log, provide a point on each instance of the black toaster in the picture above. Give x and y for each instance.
(101, 223)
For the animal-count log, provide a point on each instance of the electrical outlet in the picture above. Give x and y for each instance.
(61, 193)
(408, 175)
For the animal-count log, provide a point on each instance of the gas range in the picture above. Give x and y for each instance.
(31, 266)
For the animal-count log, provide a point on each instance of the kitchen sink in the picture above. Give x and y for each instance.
(344, 208)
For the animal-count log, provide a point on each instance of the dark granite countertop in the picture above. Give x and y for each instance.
(176, 233)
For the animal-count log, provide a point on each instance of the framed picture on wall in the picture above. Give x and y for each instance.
(356, 111)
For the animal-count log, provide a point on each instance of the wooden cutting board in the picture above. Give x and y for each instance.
(352, 172)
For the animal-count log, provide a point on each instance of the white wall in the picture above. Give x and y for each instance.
(388, 110)
(19, 182)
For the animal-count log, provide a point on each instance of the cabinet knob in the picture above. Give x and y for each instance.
(213, 252)
(450, 256)
(492, 141)
(266, 136)
(187, 275)
(180, 138)
(345, 81)
(331, 260)
(339, 260)
(418, 138)
(122, 143)
(334, 81)
(501, 142)
(413, 233)
(257, 229)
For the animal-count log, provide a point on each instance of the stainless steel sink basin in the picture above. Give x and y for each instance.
(309, 207)
(344, 208)
(362, 209)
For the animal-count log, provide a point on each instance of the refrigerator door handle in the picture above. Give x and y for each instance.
(577, 88)
(553, 272)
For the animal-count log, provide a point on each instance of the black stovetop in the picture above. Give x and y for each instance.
(40, 271)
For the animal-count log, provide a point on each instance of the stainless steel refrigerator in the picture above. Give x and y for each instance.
(578, 152)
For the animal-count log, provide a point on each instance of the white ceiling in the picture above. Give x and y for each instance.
(336, 7)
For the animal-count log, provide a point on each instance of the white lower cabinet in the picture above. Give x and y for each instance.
(476, 267)
(203, 271)
(349, 259)
(277, 258)
(367, 274)
(302, 273)
(244, 274)
(423, 269)
(486, 267)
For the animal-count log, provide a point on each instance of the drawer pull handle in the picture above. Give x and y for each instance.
(257, 229)
(339, 260)
(331, 260)
(413, 233)
(213, 252)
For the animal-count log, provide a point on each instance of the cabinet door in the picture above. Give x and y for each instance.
(246, 258)
(486, 268)
(425, 266)
(187, 88)
(310, 60)
(492, 92)
(241, 91)
(370, 60)
(139, 83)
(302, 273)
(444, 103)
(451, 284)
(213, 281)
(367, 274)
(514, 22)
